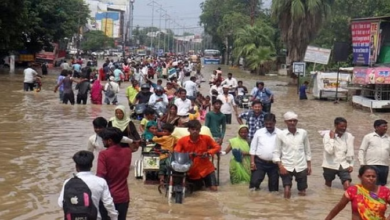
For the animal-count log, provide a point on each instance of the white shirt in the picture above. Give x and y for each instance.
(227, 103)
(338, 151)
(95, 143)
(292, 150)
(144, 71)
(181, 77)
(99, 190)
(191, 88)
(263, 143)
(163, 104)
(183, 107)
(218, 89)
(213, 77)
(29, 75)
(232, 83)
(240, 91)
(375, 150)
(115, 86)
(65, 66)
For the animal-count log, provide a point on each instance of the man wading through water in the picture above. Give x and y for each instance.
(293, 155)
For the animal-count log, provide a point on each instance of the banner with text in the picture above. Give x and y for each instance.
(374, 42)
(376, 75)
(361, 32)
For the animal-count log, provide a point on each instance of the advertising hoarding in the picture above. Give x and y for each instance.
(109, 23)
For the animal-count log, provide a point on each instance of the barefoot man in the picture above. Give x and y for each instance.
(293, 156)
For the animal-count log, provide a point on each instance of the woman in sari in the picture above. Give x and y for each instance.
(150, 131)
(368, 200)
(97, 92)
(239, 167)
(122, 121)
(171, 116)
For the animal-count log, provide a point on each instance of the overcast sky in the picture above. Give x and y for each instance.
(185, 12)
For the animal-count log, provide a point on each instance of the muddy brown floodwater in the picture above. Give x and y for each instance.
(39, 137)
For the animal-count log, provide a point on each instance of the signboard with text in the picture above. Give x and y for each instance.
(299, 68)
(377, 75)
(317, 55)
(365, 42)
(374, 42)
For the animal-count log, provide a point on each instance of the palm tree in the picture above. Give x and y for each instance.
(254, 44)
(299, 22)
(258, 56)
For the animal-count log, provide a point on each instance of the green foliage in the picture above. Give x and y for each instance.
(95, 41)
(12, 22)
(337, 28)
(31, 24)
(254, 44)
(299, 22)
(217, 18)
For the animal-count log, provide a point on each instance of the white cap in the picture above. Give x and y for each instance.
(290, 116)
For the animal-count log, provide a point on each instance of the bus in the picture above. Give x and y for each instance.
(211, 56)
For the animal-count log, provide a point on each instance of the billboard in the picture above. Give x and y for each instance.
(365, 42)
(317, 55)
(376, 75)
(109, 23)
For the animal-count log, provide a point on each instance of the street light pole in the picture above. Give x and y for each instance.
(151, 37)
(131, 17)
(166, 32)
(159, 28)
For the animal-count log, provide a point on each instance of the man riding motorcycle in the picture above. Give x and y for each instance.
(159, 100)
(144, 95)
(202, 170)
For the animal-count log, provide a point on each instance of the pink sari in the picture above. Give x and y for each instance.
(96, 93)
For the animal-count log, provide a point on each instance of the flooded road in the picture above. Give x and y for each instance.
(39, 137)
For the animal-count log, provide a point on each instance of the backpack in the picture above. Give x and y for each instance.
(110, 92)
(266, 91)
(77, 203)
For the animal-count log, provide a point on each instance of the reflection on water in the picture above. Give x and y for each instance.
(39, 137)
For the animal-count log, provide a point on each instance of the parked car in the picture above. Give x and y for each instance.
(117, 53)
(98, 53)
(72, 52)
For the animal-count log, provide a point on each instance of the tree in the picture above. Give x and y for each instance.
(96, 40)
(231, 22)
(12, 22)
(53, 20)
(337, 28)
(257, 56)
(299, 22)
(254, 44)
(31, 24)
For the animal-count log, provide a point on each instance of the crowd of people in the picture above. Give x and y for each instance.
(178, 117)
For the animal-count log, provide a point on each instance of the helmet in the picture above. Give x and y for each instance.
(159, 89)
(145, 86)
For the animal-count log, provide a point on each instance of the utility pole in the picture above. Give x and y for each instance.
(152, 33)
(159, 32)
(131, 18)
(169, 27)
(166, 31)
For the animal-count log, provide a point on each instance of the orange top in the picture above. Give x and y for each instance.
(166, 142)
(201, 166)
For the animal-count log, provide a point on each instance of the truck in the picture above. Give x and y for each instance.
(22, 58)
(53, 55)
